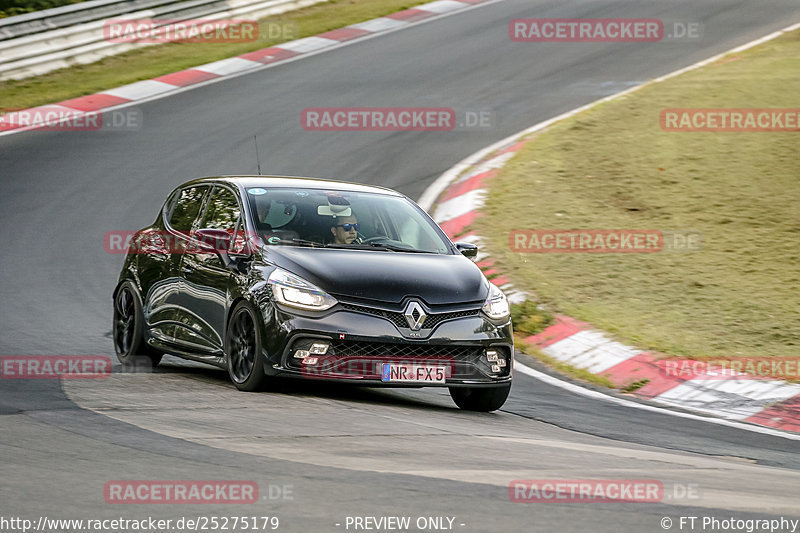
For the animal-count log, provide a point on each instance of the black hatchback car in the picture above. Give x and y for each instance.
(279, 276)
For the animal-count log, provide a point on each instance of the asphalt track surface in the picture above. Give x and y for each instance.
(342, 452)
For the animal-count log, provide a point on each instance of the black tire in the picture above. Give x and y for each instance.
(243, 349)
(128, 331)
(480, 399)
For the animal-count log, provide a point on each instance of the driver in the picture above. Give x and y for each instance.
(344, 229)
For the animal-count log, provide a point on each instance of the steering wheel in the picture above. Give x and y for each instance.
(377, 238)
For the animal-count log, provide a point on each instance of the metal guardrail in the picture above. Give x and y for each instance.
(72, 35)
(71, 15)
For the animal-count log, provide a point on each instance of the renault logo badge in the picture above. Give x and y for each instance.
(415, 315)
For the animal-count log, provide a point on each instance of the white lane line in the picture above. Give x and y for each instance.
(741, 48)
(550, 380)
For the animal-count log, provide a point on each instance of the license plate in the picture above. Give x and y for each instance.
(410, 373)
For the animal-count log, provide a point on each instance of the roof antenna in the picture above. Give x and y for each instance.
(258, 159)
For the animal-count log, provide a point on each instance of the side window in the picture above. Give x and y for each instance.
(187, 208)
(222, 212)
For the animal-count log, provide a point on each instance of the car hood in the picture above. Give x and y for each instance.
(385, 276)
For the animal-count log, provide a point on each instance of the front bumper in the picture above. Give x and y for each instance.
(360, 343)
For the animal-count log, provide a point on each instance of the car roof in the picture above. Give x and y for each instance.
(295, 182)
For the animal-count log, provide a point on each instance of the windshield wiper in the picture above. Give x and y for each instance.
(377, 245)
(395, 248)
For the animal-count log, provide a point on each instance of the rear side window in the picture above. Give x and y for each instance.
(187, 208)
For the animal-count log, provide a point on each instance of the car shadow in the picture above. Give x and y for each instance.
(320, 388)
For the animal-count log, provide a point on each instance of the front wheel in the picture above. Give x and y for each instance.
(128, 330)
(480, 399)
(243, 349)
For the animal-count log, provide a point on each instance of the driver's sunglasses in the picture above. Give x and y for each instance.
(347, 227)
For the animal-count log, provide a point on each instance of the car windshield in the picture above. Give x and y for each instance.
(343, 219)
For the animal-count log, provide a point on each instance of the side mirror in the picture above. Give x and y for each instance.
(213, 240)
(467, 249)
(219, 241)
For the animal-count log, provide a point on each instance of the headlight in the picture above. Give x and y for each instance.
(294, 291)
(496, 304)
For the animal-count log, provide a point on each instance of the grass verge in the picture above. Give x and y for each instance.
(614, 167)
(157, 60)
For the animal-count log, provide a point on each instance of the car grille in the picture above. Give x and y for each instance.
(363, 358)
(392, 350)
(397, 318)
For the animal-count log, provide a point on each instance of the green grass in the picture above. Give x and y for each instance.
(613, 167)
(636, 385)
(157, 60)
(528, 319)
